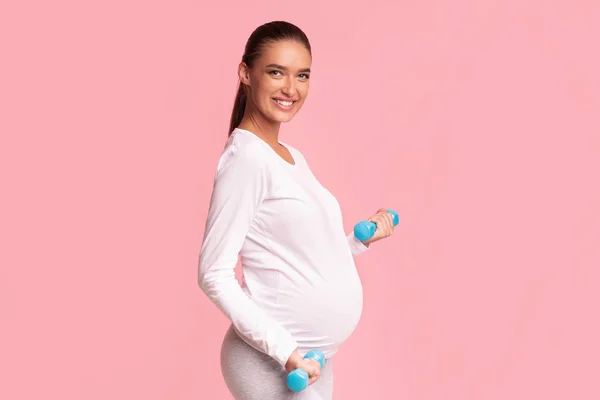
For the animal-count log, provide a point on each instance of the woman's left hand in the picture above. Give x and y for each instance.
(385, 226)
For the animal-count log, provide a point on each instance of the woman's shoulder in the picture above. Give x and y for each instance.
(243, 152)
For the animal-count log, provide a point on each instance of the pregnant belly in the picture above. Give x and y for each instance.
(322, 315)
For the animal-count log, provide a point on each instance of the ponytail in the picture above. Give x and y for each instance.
(239, 107)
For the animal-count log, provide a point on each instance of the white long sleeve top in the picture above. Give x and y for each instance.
(300, 287)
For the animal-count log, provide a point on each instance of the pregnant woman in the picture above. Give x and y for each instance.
(300, 288)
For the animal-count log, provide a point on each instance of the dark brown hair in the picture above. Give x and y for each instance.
(263, 35)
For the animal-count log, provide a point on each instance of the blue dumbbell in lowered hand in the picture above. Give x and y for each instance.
(297, 380)
(365, 230)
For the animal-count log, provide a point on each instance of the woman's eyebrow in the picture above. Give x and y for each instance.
(285, 68)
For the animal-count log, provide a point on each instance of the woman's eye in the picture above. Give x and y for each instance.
(274, 72)
(304, 76)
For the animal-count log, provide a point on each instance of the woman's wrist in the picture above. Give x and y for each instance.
(293, 361)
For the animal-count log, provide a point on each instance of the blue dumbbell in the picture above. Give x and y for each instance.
(297, 380)
(365, 230)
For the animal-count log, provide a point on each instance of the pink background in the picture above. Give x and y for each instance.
(478, 121)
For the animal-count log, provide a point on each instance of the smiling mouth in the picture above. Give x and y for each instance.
(285, 104)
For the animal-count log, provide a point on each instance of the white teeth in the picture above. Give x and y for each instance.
(285, 103)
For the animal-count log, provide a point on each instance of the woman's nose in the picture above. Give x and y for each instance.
(289, 87)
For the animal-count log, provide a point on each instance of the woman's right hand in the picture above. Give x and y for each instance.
(312, 367)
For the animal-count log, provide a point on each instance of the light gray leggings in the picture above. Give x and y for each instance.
(252, 375)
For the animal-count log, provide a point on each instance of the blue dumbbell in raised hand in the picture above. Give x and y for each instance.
(297, 380)
(365, 230)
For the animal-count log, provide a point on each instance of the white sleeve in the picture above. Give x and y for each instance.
(239, 187)
(356, 246)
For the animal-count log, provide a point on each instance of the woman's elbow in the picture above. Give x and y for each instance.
(206, 280)
(214, 281)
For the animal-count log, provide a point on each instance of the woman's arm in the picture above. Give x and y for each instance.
(239, 187)
(356, 246)
(385, 228)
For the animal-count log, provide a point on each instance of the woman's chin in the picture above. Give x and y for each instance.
(282, 117)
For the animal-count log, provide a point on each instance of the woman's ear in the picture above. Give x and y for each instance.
(244, 73)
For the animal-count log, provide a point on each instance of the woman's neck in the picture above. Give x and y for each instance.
(266, 130)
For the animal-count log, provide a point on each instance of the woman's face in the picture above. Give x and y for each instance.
(278, 80)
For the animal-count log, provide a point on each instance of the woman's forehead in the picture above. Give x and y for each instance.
(287, 53)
